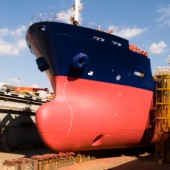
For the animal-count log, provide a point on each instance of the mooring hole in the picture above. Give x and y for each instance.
(81, 60)
(98, 140)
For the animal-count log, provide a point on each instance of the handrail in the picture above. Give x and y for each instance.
(46, 17)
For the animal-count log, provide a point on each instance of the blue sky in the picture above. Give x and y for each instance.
(143, 22)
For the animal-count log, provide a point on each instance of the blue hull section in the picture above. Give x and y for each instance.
(109, 57)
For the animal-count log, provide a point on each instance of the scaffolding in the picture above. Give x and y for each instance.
(162, 147)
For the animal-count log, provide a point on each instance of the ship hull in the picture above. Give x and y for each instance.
(103, 90)
(88, 115)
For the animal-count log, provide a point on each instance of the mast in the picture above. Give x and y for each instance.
(77, 9)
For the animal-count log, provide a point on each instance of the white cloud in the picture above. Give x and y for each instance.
(127, 33)
(157, 48)
(11, 41)
(35, 85)
(65, 15)
(4, 32)
(16, 32)
(12, 48)
(164, 15)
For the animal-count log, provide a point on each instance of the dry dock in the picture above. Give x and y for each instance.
(17, 117)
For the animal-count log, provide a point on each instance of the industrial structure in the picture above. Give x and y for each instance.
(162, 149)
(17, 121)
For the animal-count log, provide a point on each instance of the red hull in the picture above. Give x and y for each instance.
(87, 115)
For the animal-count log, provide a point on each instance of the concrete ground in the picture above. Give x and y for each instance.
(116, 162)
(119, 163)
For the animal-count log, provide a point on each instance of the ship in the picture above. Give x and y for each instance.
(103, 86)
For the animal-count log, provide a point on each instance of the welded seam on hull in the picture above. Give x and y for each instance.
(70, 108)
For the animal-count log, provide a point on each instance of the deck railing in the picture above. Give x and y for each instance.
(46, 17)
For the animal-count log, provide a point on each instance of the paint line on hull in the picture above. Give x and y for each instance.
(70, 108)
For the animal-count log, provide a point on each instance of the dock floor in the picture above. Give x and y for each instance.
(118, 162)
